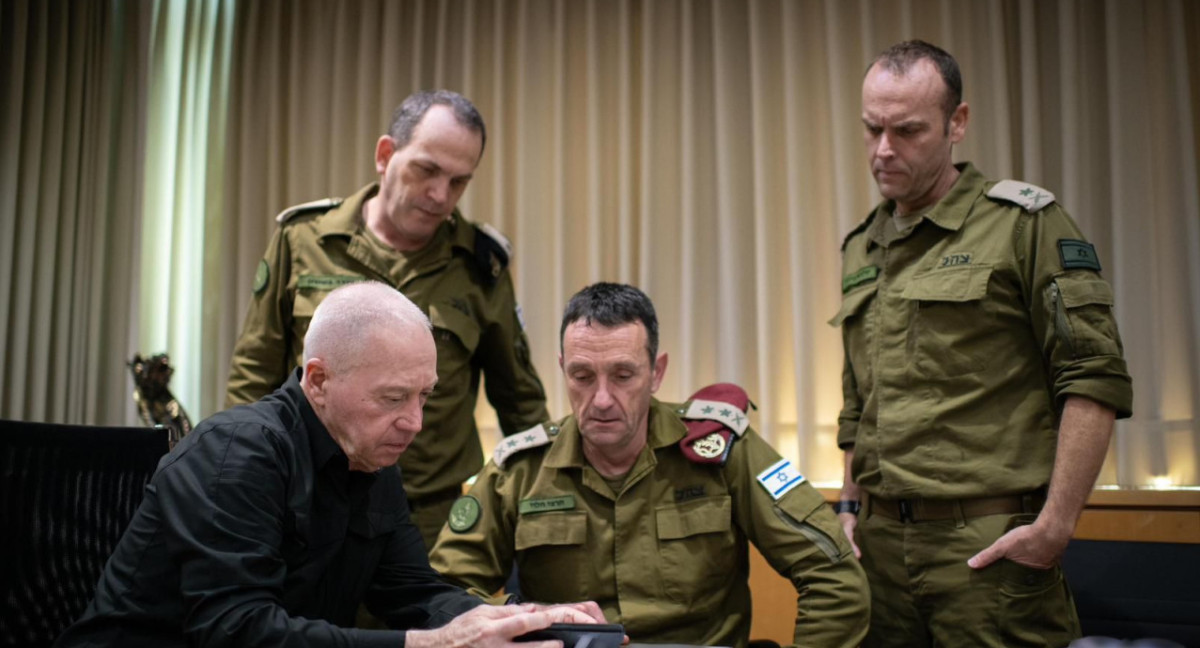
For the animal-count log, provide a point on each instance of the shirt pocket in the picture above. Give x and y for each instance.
(550, 547)
(696, 548)
(952, 330)
(304, 304)
(456, 333)
(1083, 320)
(857, 329)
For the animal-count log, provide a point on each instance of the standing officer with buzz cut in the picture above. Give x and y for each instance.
(405, 231)
(983, 372)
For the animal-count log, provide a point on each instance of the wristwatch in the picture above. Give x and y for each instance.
(847, 506)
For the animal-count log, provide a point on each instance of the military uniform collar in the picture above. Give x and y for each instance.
(949, 212)
(347, 220)
(666, 429)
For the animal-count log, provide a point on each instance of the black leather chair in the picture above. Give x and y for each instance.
(1136, 590)
(66, 495)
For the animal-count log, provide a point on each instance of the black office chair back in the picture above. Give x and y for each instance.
(66, 495)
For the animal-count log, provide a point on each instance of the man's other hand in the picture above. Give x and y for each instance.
(849, 524)
(490, 626)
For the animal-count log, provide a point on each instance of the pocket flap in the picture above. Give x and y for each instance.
(446, 316)
(305, 303)
(542, 529)
(709, 515)
(853, 304)
(1078, 292)
(961, 284)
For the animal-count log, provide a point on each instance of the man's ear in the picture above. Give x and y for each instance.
(315, 381)
(385, 146)
(660, 370)
(958, 123)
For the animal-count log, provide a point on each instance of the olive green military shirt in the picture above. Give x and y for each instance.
(470, 302)
(666, 555)
(963, 338)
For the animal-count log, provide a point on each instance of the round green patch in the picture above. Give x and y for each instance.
(261, 275)
(464, 514)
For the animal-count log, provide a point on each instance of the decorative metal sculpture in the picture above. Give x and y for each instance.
(156, 405)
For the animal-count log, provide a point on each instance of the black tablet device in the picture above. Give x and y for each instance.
(580, 635)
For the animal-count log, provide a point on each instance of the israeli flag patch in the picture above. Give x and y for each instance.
(780, 478)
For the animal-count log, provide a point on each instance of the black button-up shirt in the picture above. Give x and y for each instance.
(255, 532)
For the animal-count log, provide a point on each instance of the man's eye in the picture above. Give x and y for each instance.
(874, 130)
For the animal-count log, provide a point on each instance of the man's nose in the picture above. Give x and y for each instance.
(411, 418)
(884, 147)
(603, 398)
(439, 190)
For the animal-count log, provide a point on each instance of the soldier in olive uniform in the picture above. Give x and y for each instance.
(406, 232)
(647, 507)
(983, 373)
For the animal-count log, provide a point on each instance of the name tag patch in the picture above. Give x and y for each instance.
(689, 493)
(545, 504)
(955, 259)
(859, 277)
(325, 282)
(780, 478)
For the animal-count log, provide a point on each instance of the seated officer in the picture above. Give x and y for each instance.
(646, 507)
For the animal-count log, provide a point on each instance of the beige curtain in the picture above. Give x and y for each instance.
(709, 151)
(73, 78)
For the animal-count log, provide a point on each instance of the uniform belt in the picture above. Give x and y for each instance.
(435, 497)
(920, 509)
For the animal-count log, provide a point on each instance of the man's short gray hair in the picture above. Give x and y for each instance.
(342, 326)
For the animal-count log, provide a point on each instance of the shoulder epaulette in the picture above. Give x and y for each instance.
(861, 226)
(492, 251)
(1031, 198)
(324, 204)
(534, 437)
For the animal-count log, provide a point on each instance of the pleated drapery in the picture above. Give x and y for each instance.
(708, 151)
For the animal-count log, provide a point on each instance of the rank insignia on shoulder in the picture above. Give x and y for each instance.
(492, 251)
(531, 438)
(1030, 197)
(464, 514)
(780, 478)
(715, 417)
(324, 204)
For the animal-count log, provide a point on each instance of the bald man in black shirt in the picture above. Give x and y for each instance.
(271, 522)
